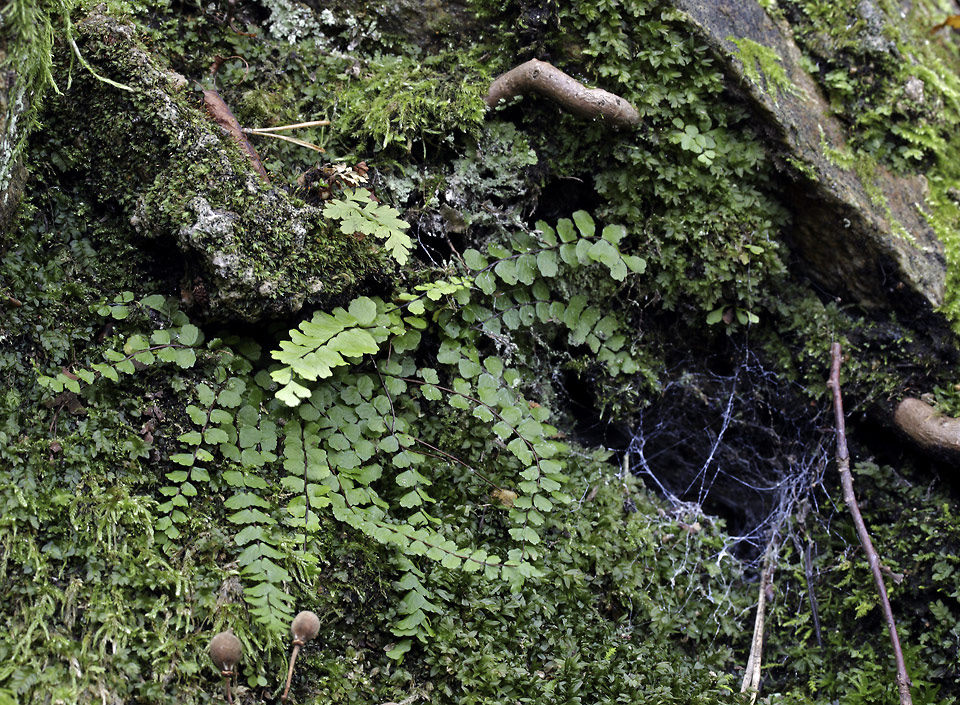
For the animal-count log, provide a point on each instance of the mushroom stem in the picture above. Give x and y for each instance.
(293, 659)
(226, 686)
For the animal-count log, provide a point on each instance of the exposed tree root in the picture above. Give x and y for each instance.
(850, 499)
(548, 80)
(927, 426)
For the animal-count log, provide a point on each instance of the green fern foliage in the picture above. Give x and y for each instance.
(332, 425)
(359, 213)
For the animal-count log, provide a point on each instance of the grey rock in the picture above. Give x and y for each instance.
(258, 252)
(875, 251)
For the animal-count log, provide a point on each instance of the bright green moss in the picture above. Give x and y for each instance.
(897, 89)
(762, 66)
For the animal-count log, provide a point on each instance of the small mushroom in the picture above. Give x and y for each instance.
(225, 652)
(305, 627)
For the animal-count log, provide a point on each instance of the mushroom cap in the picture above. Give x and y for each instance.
(306, 626)
(225, 650)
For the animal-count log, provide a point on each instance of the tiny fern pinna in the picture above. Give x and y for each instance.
(344, 422)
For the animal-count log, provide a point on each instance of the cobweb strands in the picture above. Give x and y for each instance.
(743, 444)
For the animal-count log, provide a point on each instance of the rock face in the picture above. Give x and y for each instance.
(423, 22)
(867, 242)
(256, 252)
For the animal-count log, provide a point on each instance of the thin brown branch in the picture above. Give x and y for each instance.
(850, 499)
(547, 80)
(222, 115)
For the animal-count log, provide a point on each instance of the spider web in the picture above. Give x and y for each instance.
(746, 444)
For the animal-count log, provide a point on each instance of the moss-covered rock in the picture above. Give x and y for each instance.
(13, 109)
(418, 471)
(180, 180)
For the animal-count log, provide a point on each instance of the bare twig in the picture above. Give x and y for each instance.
(850, 499)
(222, 115)
(285, 138)
(548, 80)
(282, 128)
(751, 675)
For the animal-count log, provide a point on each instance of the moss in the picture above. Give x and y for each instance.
(913, 524)
(762, 66)
(26, 47)
(633, 604)
(193, 187)
(895, 89)
(408, 100)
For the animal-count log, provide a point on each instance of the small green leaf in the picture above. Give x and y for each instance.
(547, 263)
(185, 357)
(584, 223)
(565, 230)
(354, 342)
(364, 310)
(190, 438)
(715, 316)
(160, 337)
(189, 334)
(397, 651)
(636, 264)
(155, 301)
(474, 259)
(613, 233)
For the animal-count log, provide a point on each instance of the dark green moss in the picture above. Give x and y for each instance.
(257, 251)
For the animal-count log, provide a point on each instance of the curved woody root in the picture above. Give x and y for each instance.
(927, 426)
(548, 80)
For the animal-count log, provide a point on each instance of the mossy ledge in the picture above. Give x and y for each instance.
(257, 252)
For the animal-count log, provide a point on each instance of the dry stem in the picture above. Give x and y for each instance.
(226, 686)
(285, 138)
(751, 675)
(850, 499)
(281, 128)
(548, 80)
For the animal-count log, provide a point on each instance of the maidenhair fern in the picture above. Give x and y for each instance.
(359, 213)
(343, 422)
